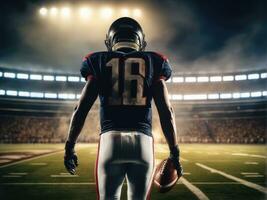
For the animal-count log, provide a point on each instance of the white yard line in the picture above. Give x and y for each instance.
(242, 181)
(29, 159)
(64, 176)
(18, 173)
(254, 175)
(11, 176)
(247, 173)
(248, 155)
(251, 163)
(38, 164)
(200, 195)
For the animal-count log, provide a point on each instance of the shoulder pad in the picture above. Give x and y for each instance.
(161, 55)
(87, 56)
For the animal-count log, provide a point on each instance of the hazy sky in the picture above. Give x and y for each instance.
(196, 35)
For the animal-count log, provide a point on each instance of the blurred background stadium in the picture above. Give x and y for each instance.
(218, 91)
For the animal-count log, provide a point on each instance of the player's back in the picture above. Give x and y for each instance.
(125, 82)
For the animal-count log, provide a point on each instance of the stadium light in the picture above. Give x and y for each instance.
(73, 78)
(253, 76)
(203, 79)
(66, 96)
(11, 93)
(48, 78)
(61, 78)
(264, 75)
(106, 12)
(236, 95)
(226, 96)
(245, 95)
(43, 11)
(228, 78)
(53, 11)
(137, 12)
(195, 96)
(85, 12)
(37, 94)
(125, 12)
(190, 79)
(24, 94)
(241, 77)
(65, 12)
(50, 95)
(213, 96)
(82, 79)
(22, 76)
(264, 93)
(178, 79)
(215, 78)
(255, 94)
(2, 92)
(1, 74)
(36, 77)
(78, 96)
(9, 75)
(177, 97)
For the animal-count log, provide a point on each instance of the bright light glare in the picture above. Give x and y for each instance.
(37, 94)
(24, 94)
(195, 96)
(51, 95)
(178, 79)
(137, 13)
(213, 96)
(66, 96)
(9, 75)
(78, 96)
(253, 76)
(228, 78)
(43, 11)
(190, 79)
(2, 92)
(53, 11)
(1, 74)
(241, 77)
(85, 12)
(22, 76)
(65, 12)
(11, 93)
(73, 79)
(245, 95)
(61, 78)
(125, 12)
(264, 93)
(202, 79)
(263, 75)
(215, 78)
(236, 95)
(36, 77)
(48, 78)
(226, 96)
(106, 12)
(255, 94)
(177, 97)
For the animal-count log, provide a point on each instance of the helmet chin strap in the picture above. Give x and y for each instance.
(126, 45)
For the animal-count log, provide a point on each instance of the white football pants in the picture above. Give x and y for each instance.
(123, 155)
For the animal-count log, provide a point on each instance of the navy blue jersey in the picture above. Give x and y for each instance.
(125, 82)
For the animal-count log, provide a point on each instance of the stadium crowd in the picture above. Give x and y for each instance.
(22, 129)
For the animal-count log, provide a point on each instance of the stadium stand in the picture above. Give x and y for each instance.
(210, 108)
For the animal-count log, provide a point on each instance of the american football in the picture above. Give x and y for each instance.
(165, 176)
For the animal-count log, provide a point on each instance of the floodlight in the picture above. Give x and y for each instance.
(106, 12)
(22, 76)
(43, 11)
(137, 12)
(253, 76)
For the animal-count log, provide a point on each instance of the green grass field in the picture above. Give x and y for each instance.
(216, 172)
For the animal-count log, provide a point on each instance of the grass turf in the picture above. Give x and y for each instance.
(38, 182)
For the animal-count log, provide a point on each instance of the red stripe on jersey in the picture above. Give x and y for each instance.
(90, 77)
(87, 56)
(162, 56)
(96, 172)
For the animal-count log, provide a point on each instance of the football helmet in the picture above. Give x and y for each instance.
(125, 33)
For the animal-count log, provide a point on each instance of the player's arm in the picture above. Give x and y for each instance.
(167, 120)
(87, 99)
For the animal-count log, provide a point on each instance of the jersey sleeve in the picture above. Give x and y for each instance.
(87, 68)
(164, 69)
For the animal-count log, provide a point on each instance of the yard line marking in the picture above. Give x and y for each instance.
(28, 159)
(242, 181)
(186, 173)
(251, 163)
(93, 183)
(253, 175)
(11, 176)
(200, 195)
(249, 155)
(64, 176)
(18, 173)
(248, 173)
(38, 164)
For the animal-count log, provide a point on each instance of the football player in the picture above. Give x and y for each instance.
(126, 79)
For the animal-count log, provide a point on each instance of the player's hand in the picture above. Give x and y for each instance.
(175, 158)
(70, 158)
